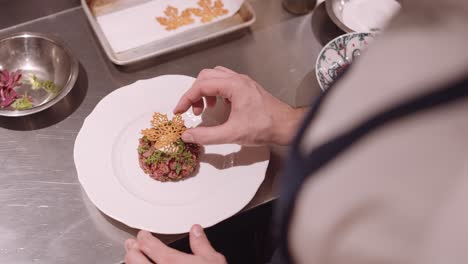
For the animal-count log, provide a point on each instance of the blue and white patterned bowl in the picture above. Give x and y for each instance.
(338, 54)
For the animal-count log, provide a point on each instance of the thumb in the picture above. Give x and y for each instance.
(221, 134)
(199, 242)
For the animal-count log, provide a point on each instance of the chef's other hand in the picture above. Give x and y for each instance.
(256, 116)
(158, 252)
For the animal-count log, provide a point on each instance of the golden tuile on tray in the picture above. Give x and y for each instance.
(164, 132)
(209, 10)
(174, 20)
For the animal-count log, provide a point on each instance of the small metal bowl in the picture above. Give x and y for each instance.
(337, 10)
(44, 57)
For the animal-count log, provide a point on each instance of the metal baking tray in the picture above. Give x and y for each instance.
(94, 8)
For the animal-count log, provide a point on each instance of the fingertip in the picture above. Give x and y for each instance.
(130, 244)
(197, 110)
(134, 246)
(197, 230)
(182, 106)
(199, 242)
(176, 110)
(143, 235)
(224, 69)
(187, 137)
(197, 226)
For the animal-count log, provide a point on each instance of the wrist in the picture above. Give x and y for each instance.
(286, 122)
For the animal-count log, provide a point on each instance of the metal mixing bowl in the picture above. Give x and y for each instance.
(336, 11)
(44, 57)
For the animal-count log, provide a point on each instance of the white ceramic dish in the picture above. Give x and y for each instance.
(107, 164)
(337, 55)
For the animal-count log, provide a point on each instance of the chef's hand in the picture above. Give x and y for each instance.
(158, 252)
(256, 116)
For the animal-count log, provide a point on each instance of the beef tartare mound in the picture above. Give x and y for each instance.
(161, 152)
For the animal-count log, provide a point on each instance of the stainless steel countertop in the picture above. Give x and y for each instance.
(45, 217)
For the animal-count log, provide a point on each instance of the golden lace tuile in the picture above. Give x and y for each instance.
(164, 132)
(174, 20)
(159, 119)
(209, 10)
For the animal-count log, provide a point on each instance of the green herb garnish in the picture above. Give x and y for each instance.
(143, 149)
(182, 155)
(155, 157)
(47, 85)
(178, 168)
(22, 103)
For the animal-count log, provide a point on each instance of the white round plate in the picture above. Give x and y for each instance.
(106, 160)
